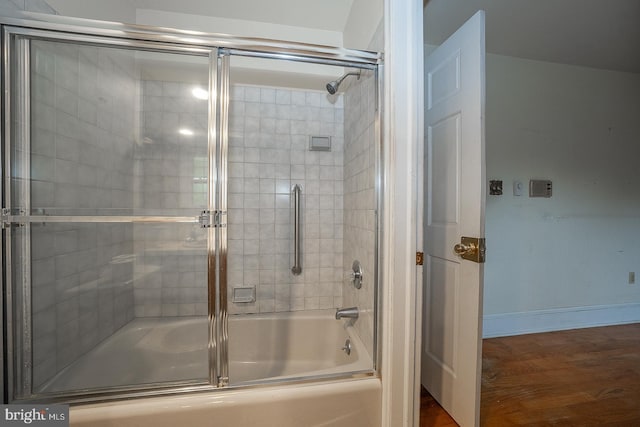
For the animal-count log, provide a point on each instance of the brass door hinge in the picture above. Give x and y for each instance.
(419, 258)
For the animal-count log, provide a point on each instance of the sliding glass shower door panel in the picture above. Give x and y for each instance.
(108, 176)
(285, 268)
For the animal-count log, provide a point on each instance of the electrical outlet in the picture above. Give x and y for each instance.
(632, 277)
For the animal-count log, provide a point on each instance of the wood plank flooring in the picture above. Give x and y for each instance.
(432, 414)
(582, 377)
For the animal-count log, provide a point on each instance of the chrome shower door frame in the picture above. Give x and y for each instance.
(20, 101)
(218, 48)
(17, 124)
(374, 66)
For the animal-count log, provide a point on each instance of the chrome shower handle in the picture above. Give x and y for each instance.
(356, 274)
(297, 195)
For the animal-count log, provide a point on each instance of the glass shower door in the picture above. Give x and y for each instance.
(184, 217)
(106, 175)
(288, 231)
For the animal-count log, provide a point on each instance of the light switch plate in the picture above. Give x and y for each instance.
(540, 188)
(518, 186)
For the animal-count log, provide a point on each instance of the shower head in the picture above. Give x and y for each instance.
(332, 87)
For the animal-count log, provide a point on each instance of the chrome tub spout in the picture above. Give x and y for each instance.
(350, 313)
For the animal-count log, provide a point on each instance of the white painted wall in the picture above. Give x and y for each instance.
(579, 127)
(126, 11)
(275, 73)
(316, 75)
(239, 27)
(9, 7)
(112, 10)
(400, 294)
(362, 23)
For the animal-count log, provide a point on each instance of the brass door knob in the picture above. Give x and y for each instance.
(462, 249)
(471, 248)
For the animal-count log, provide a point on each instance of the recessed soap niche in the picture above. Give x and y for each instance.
(319, 143)
(244, 294)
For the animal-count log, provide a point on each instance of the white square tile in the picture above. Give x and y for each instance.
(268, 111)
(282, 126)
(251, 216)
(251, 263)
(267, 306)
(282, 231)
(298, 98)
(313, 99)
(325, 302)
(267, 96)
(283, 112)
(311, 303)
(251, 246)
(267, 170)
(252, 155)
(252, 94)
(267, 216)
(267, 186)
(299, 112)
(268, 125)
(283, 96)
(251, 124)
(298, 172)
(237, 92)
(251, 185)
(251, 109)
(267, 201)
(252, 231)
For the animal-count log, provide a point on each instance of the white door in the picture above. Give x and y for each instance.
(454, 207)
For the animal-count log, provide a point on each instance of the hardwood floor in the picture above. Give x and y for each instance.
(582, 377)
(432, 414)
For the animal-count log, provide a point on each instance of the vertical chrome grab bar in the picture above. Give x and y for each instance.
(297, 195)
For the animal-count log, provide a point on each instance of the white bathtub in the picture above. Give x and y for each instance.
(274, 346)
(349, 403)
(292, 344)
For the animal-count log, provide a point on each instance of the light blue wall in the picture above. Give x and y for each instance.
(579, 128)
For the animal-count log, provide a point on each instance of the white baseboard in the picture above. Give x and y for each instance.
(502, 325)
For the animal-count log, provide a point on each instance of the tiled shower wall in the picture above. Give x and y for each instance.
(171, 179)
(83, 101)
(269, 134)
(268, 154)
(359, 194)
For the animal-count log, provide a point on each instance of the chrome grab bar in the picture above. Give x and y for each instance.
(297, 195)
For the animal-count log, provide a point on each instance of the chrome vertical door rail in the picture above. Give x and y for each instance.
(212, 282)
(23, 157)
(297, 196)
(379, 206)
(6, 203)
(223, 147)
(17, 176)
